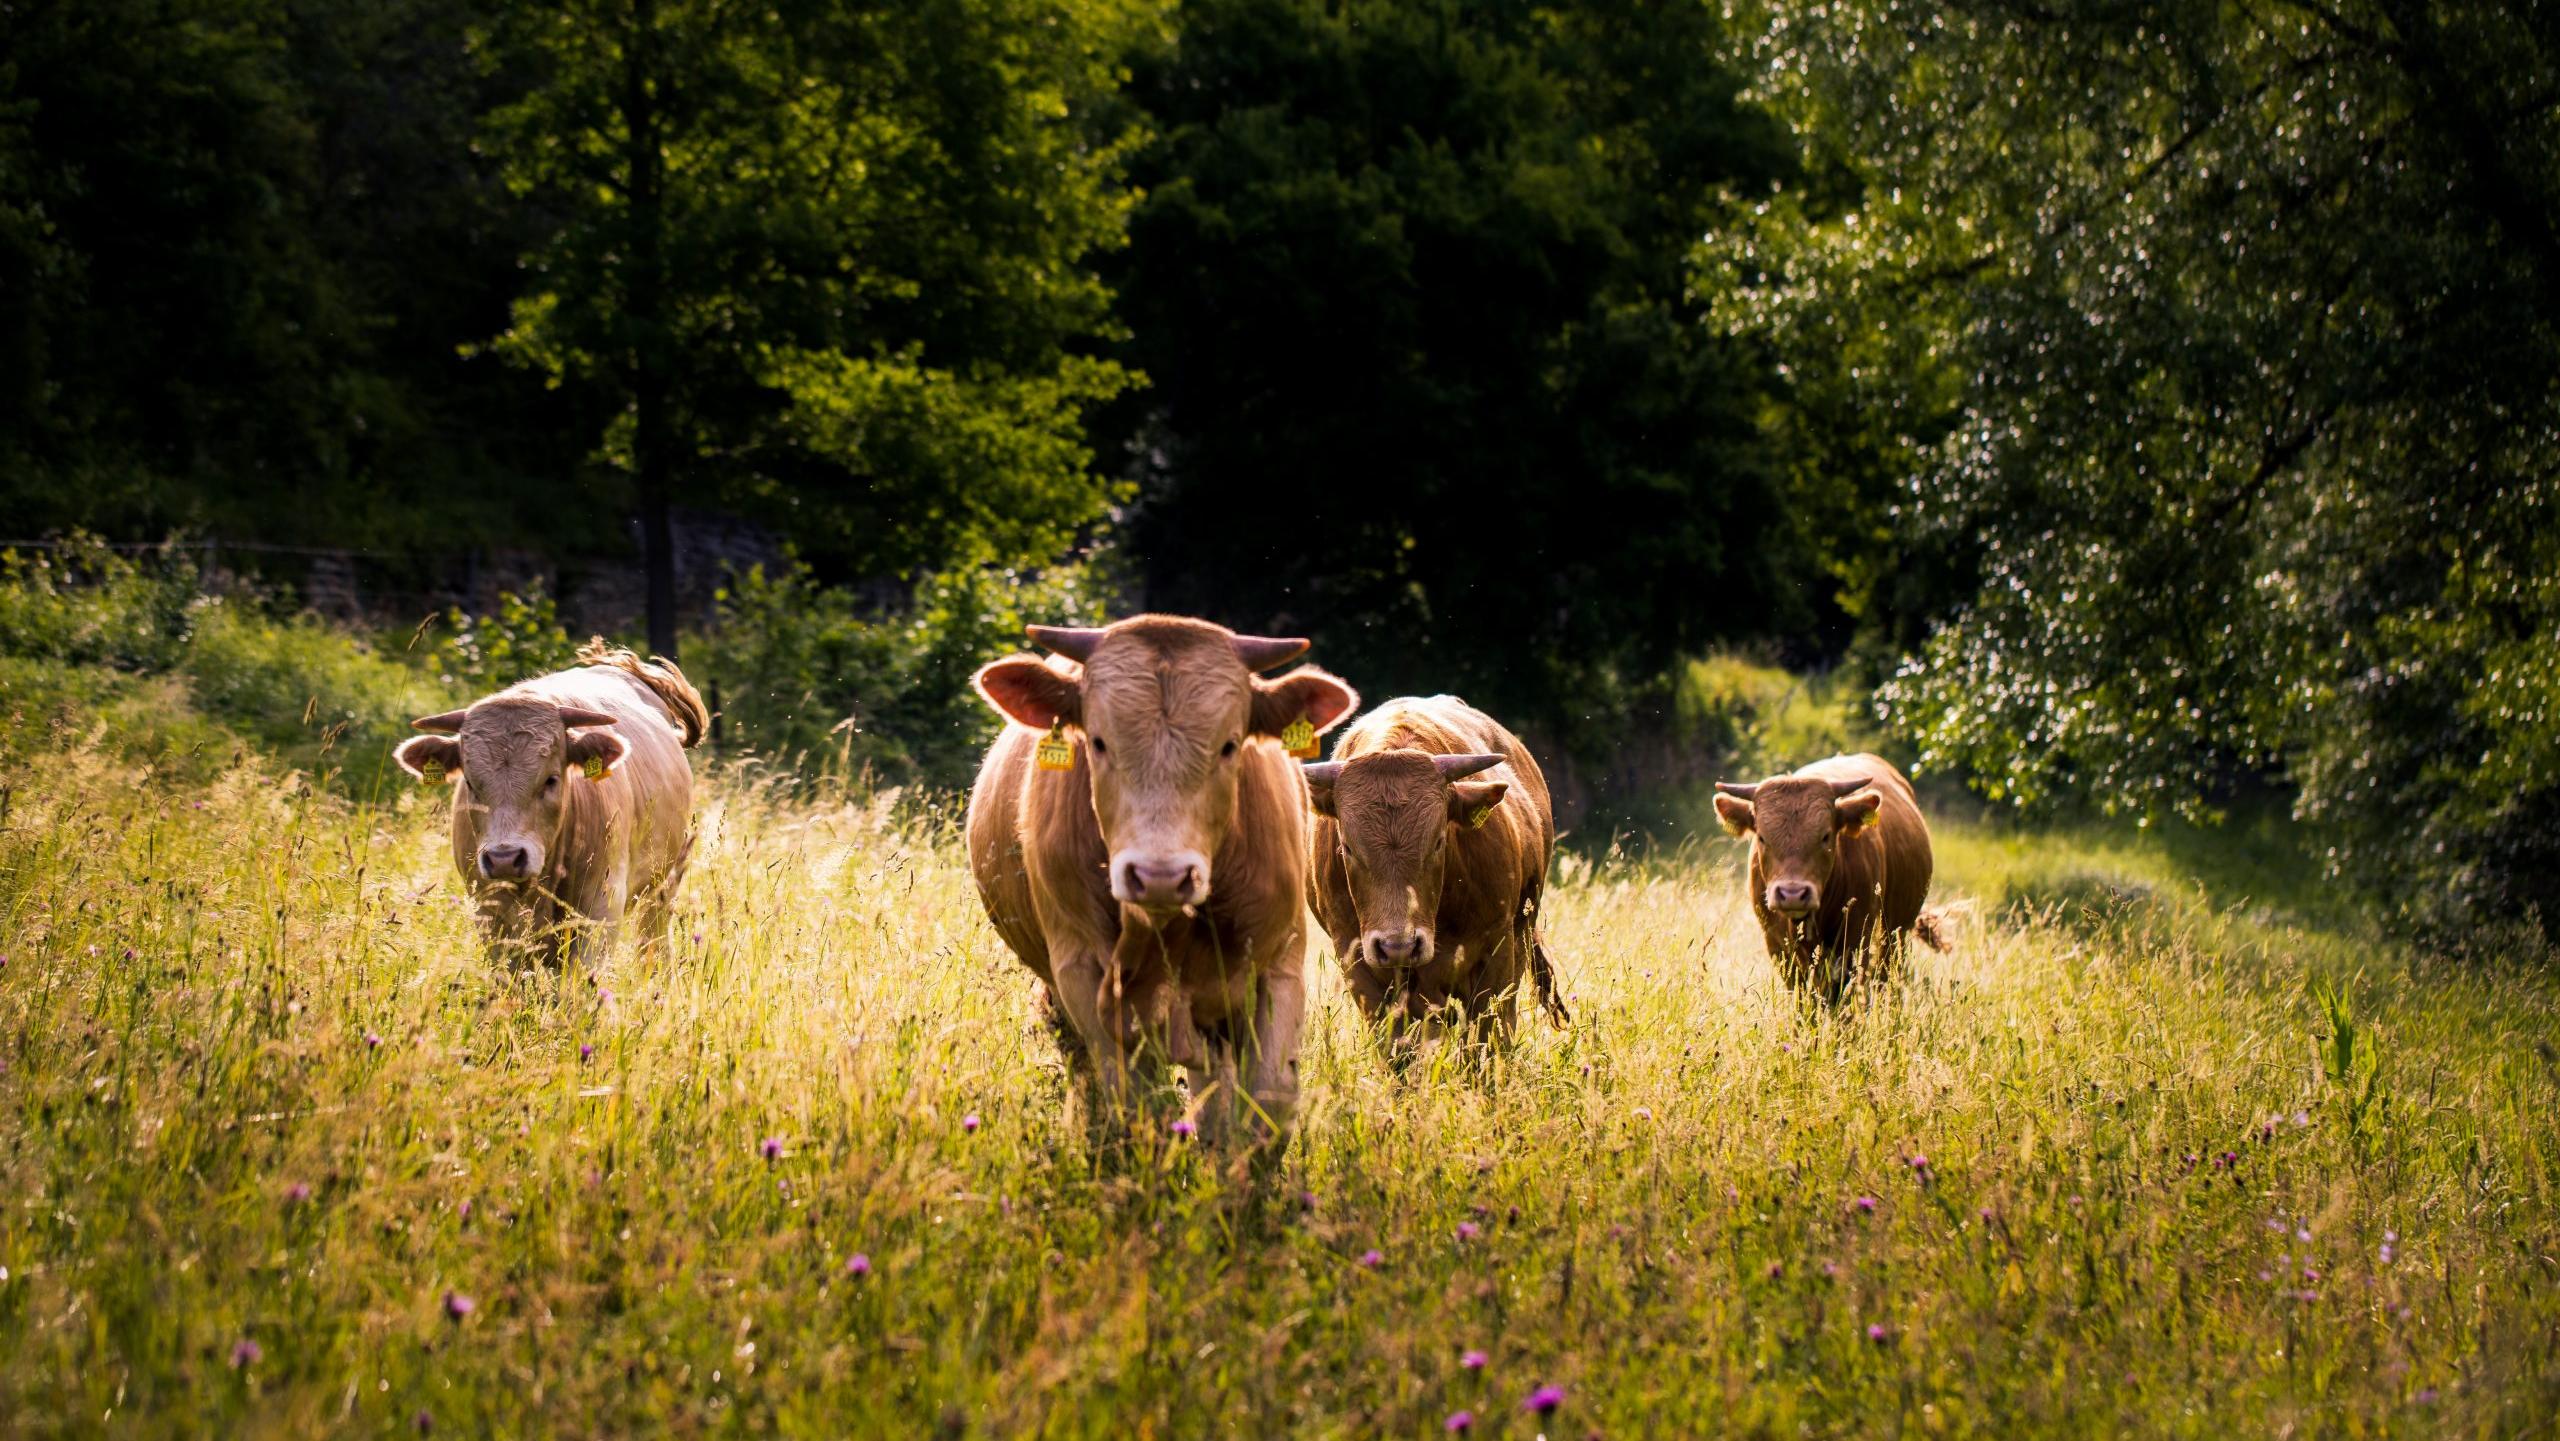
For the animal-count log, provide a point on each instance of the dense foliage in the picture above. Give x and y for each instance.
(1409, 284)
(2220, 340)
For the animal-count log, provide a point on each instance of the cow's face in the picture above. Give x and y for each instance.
(1395, 812)
(1166, 707)
(520, 754)
(1798, 821)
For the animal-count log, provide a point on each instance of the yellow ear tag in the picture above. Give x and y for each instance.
(595, 768)
(1298, 738)
(1483, 814)
(1055, 753)
(431, 774)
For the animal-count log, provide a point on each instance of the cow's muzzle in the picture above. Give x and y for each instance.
(1398, 949)
(1793, 898)
(1160, 883)
(501, 861)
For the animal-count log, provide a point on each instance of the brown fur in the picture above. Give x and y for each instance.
(683, 702)
(1851, 827)
(603, 847)
(1395, 845)
(1214, 987)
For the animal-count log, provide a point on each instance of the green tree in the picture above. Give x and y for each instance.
(827, 255)
(1409, 282)
(2222, 338)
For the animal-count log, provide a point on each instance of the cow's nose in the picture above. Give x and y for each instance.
(504, 862)
(1162, 882)
(1398, 948)
(1791, 896)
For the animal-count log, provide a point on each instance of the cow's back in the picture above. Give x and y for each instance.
(1892, 857)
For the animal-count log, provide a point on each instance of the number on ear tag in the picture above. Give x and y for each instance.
(595, 768)
(1298, 738)
(1055, 753)
(1483, 814)
(431, 774)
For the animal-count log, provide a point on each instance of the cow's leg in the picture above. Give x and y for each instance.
(1271, 1058)
(1082, 978)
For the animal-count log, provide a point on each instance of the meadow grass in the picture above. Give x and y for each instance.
(283, 1156)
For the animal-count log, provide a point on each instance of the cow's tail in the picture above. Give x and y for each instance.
(663, 678)
(1938, 927)
(1542, 967)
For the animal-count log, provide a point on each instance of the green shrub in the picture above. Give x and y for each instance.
(1763, 720)
(522, 639)
(311, 694)
(810, 671)
(85, 604)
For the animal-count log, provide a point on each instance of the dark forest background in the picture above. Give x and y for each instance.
(2149, 407)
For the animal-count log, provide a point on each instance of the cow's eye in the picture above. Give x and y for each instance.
(1227, 751)
(551, 785)
(1098, 747)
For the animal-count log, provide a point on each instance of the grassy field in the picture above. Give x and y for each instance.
(280, 1155)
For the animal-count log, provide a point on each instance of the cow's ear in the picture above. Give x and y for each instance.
(1471, 803)
(1736, 815)
(1318, 697)
(594, 753)
(430, 758)
(1857, 810)
(1320, 778)
(1027, 690)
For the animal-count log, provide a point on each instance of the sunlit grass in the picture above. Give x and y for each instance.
(216, 995)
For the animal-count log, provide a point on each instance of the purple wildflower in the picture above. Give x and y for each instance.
(586, 1052)
(1469, 1230)
(1866, 1205)
(1306, 1200)
(1459, 1422)
(1876, 1332)
(245, 1352)
(2426, 1396)
(1777, 1269)
(772, 1148)
(1373, 1258)
(422, 1423)
(457, 1305)
(858, 1265)
(969, 1122)
(1472, 1360)
(297, 1193)
(1185, 1128)
(1544, 1400)
(372, 1041)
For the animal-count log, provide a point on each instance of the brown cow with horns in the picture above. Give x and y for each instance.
(1429, 857)
(572, 800)
(1840, 864)
(1139, 837)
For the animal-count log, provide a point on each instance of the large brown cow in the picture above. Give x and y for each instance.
(1839, 865)
(1151, 870)
(572, 800)
(1429, 881)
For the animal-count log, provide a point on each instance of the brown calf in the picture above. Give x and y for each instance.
(1839, 864)
(572, 800)
(1151, 869)
(1428, 881)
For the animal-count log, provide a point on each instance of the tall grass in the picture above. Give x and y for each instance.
(282, 1155)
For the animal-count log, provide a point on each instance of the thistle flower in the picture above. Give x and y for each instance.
(772, 1148)
(969, 1122)
(457, 1305)
(586, 1052)
(245, 1352)
(858, 1265)
(1877, 1333)
(372, 1042)
(1185, 1129)
(297, 1193)
(1866, 1205)
(1469, 1230)
(422, 1423)
(1373, 1258)
(1544, 1400)
(1472, 1360)
(1459, 1422)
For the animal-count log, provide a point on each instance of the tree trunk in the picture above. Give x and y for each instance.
(645, 302)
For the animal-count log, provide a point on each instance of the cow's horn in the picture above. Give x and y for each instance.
(1740, 793)
(1262, 652)
(1075, 642)
(1321, 772)
(1458, 767)
(450, 723)
(1843, 789)
(574, 716)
